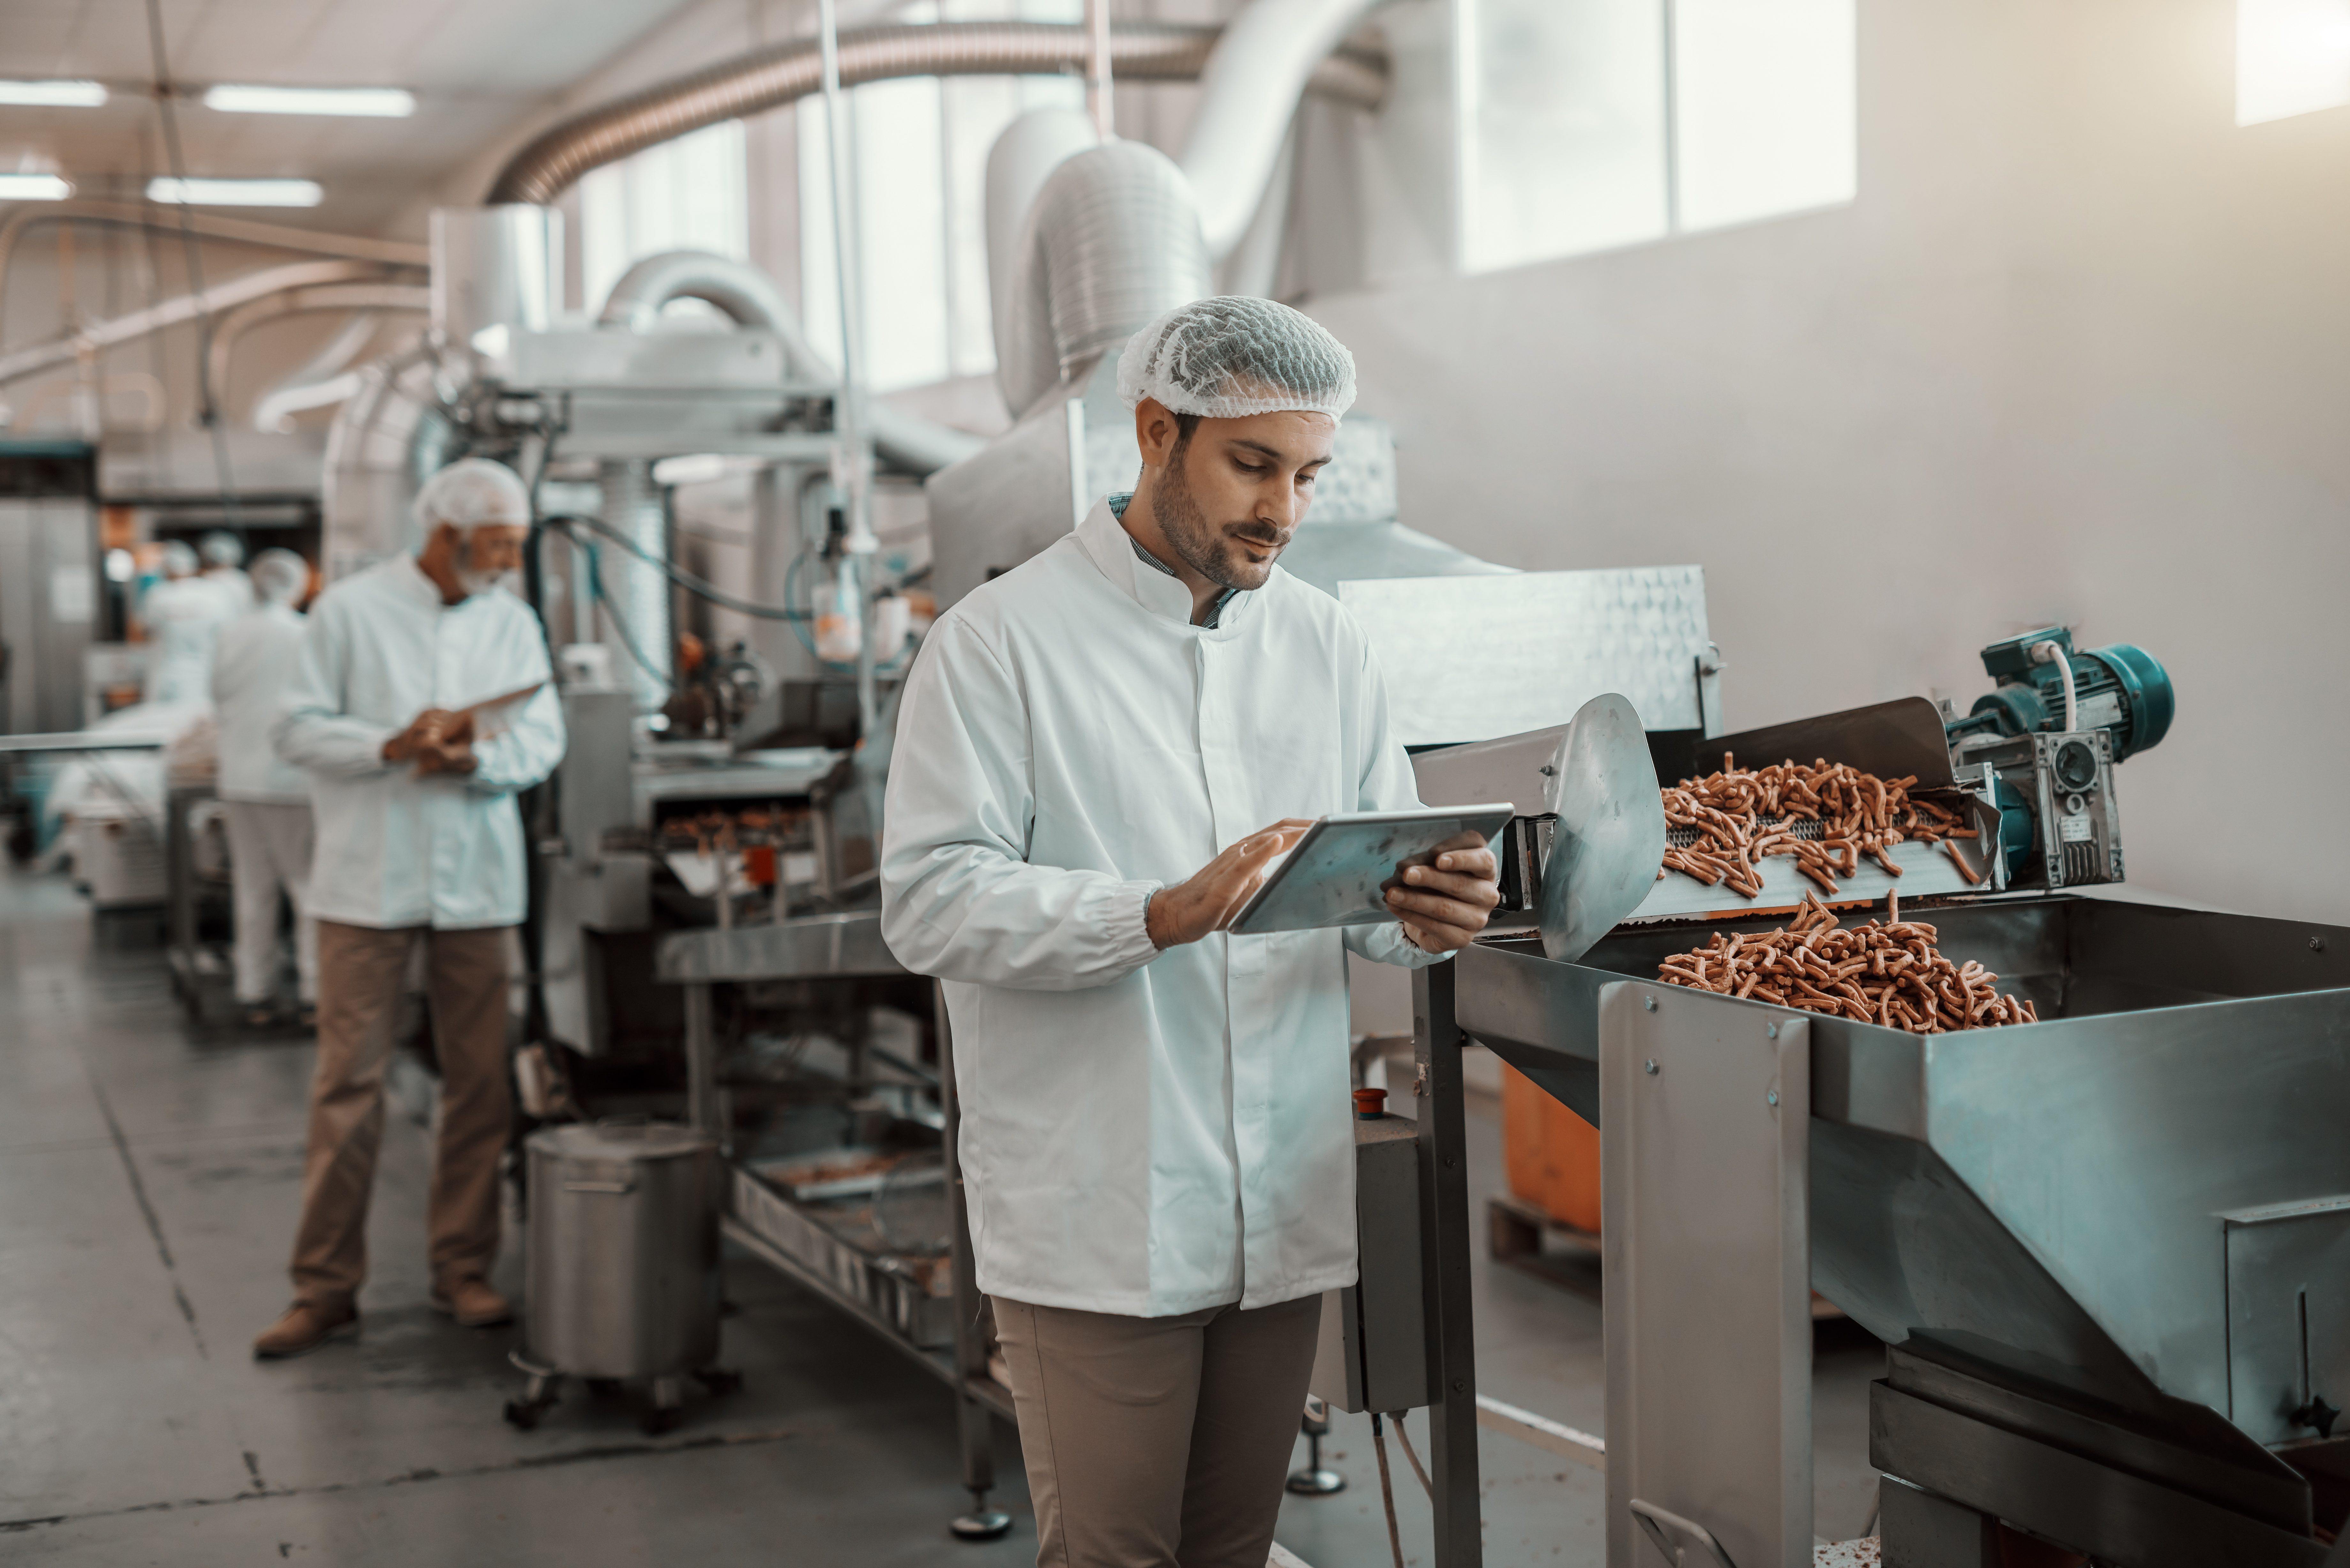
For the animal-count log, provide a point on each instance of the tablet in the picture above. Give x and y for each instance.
(1340, 871)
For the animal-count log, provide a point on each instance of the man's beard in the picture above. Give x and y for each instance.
(476, 582)
(1201, 545)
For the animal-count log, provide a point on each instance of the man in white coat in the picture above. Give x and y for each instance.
(1155, 1125)
(421, 705)
(266, 799)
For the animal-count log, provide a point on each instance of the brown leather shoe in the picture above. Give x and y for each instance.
(306, 1326)
(472, 1302)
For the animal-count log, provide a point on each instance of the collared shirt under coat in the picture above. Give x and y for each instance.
(1143, 1132)
(252, 663)
(396, 848)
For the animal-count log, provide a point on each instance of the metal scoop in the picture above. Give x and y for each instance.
(1610, 840)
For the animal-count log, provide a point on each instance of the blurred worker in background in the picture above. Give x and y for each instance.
(421, 705)
(182, 615)
(223, 558)
(1157, 1133)
(266, 799)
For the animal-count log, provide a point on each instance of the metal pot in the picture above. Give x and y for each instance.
(622, 1269)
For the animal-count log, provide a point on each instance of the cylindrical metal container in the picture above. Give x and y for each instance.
(622, 1272)
(495, 266)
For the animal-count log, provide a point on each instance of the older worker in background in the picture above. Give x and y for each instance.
(422, 705)
(1155, 1131)
(266, 799)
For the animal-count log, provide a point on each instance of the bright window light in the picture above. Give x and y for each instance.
(1588, 124)
(1764, 102)
(33, 187)
(54, 94)
(2293, 57)
(234, 193)
(378, 103)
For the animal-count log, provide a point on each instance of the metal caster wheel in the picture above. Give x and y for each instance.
(981, 1524)
(718, 1380)
(525, 1413)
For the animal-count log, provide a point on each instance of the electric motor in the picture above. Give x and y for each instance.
(2122, 690)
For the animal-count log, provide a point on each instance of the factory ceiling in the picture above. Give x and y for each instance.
(479, 70)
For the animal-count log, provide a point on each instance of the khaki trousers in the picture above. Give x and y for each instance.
(1157, 1442)
(360, 973)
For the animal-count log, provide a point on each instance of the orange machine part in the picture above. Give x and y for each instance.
(1550, 1154)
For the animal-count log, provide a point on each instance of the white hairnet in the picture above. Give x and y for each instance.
(279, 576)
(473, 493)
(1235, 355)
(179, 560)
(220, 548)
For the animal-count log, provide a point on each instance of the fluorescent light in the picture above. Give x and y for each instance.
(33, 187)
(378, 103)
(54, 94)
(234, 193)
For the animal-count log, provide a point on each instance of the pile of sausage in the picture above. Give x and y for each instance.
(1888, 973)
(1742, 815)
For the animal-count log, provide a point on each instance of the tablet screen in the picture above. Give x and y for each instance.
(1339, 872)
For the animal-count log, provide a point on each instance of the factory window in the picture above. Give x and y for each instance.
(1590, 123)
(693, 193)
(2293, 57)
(918, 152)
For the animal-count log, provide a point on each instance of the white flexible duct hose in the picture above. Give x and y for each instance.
(1111, 242)
(1247, 94)
(1022, 160)
(326, 378)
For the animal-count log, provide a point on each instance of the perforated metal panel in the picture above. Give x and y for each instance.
(1469, 659)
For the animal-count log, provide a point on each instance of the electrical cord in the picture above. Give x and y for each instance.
(1404, 1437)
(699, 587)
(1387, 1490)
(620, 622)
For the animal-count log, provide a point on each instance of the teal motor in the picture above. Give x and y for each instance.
(2122, 703)
(2122, 690)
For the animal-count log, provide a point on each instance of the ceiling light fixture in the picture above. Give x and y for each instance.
(234, 193)
(33, 187)
(54, 94)
(377, 103)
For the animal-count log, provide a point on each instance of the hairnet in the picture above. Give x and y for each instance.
(179, 560)
(473, 493)
(1235, 355)
(279, 576)
(219, 548)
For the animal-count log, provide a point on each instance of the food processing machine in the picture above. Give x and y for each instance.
(2108, 1252)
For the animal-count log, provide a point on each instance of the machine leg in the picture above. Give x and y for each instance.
(668, 1405)
(702, 1065)
(538, 1396)
(1919, 1530)
(973, 1421)
(1444, 1220)
(1314, 1481)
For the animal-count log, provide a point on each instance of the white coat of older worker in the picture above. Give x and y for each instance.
(421, 705)
(1098, 756)
(266, 799)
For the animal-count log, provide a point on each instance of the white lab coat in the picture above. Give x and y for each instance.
(183, 617)
(251, 665)
(397, 848)
(1143, 1133)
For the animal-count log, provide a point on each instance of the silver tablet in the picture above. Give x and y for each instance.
(1340, 872)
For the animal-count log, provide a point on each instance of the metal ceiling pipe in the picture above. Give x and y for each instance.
(1267, 58)
(233, 324)
(326, 378)
(204, 225)
(771, 78)
(186, 307)
(749, 297)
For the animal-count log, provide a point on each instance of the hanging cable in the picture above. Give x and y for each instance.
(207, 408)
(698, 586)
(1404, 1438)
(1387, 1490)
(619, 623)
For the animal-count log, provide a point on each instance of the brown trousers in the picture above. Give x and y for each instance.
(360, 973)
(1157, 1442)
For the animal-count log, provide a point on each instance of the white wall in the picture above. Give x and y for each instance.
(2078, 354)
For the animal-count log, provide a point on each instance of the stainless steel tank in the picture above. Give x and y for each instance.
(622, 1267)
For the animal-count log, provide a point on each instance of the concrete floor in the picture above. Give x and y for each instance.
(148, 1186)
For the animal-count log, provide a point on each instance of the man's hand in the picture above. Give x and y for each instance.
(435, 739)
(1208, 899)
(1444, 905)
